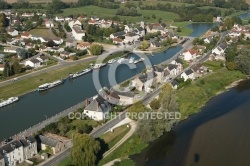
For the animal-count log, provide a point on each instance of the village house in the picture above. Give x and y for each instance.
(25, 35)
(74, 23)
(117, 40)
(174, 84)
(199, 70)
(131, 38)
(12, 32)
(34, 63)
(1, 67)
(83, 45)
(117, 35)
(55, 142)
(161, 74)
(97, 109)
(29, 45)
(65, 54)
(156, 27)
(44, 39)
(57, 41)
(10, 49)
(27, 14)
(55, 49)
(29, 147)
(93, 22)
(77, 32)
(155, 44)
(105, 24)
(145, 81)
(59, 18)
(13, 153)
(179, 63)
(173, 70)
(49, 24)
(189, 74)
(43, 58)
(220, 49)
(190, 55)
(123, 98)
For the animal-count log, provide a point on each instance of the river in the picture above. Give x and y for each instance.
(36, 107)
(218, 135)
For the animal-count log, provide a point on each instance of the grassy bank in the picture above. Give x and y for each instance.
(132, 146)
(203, 89)
(185, 31)
(26, 85)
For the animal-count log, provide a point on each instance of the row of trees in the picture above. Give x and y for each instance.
(125, 11)
(12, 68)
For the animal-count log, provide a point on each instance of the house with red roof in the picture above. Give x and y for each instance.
(117, 40)
(25, 35)
(190, 55)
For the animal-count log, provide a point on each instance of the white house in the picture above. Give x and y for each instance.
(43, 58)
(189, 74)
(59, 18)
(117, 34)
(26, 35)
(34, 63)
(75, 23)
(220, 49)
(145, 81)
(49, 24)
(12, 32)
(1, 67)
(157, 27)
(77, 32)
(83, 46)
(27, 14)
(97, 109)
(13, 153)
(190, 55)
(10, 49)
(58, 41)
(131, 37)
(29, 147)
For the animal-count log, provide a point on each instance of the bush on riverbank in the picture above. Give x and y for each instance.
(203, 89)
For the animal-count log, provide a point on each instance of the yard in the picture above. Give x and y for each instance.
(43, 32)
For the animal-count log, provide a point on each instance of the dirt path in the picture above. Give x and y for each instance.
(129, 134)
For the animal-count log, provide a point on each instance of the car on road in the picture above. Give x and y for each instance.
(15, 79)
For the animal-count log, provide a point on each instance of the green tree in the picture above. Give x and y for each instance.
(243, 61)
(155, 104)
(7, 69)
(17, 68)
(84, 150)
(96, 49)
(144, 45)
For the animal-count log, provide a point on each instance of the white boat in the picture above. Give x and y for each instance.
(121, 60)
(136, 61)
(131, 60)
(8, 101)
(78, 74)
(139, 60)
(98, 66)
(111, 61)
(50, 85)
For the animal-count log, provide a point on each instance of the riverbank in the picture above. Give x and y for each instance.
(27, 85)
(199, 92)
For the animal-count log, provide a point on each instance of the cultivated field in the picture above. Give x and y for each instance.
(109, 13)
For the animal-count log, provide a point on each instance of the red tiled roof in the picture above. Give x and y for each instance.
(25, 34)
(117, 39)
(192, 51)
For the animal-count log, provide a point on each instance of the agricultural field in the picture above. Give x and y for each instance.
(41, 1)
(155, 2)
(109, 13)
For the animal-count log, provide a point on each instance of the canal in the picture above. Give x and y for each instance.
(36, 107)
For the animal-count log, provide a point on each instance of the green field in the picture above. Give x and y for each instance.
(184, 30)
(155, 2)
(109, 13)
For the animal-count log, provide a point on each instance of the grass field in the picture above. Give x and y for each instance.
(155, 2)
(43, 32)
(109, 13)
(204, 88)
(132, 146)
(27, 85)
(184, 30)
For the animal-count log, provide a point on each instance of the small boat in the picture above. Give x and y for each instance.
(139, 60)
(78, 74)
(131, 60)
(8, 101)
(50, 85)
(111, 61)
(136, 61)
(98, 66)
(121, 60)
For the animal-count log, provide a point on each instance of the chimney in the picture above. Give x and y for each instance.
(86, 102)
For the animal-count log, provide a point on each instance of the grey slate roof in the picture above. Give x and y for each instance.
(10, 146)
(47, 141)
(97, 103)
(27, 141)
(189, 71)
(121, 33)
(172, 66)
(156, 43)
(158, 69)
(174, 83)
(223, 46)
(35, 61)
(140, 29)
(148, 76)
(127, 93)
